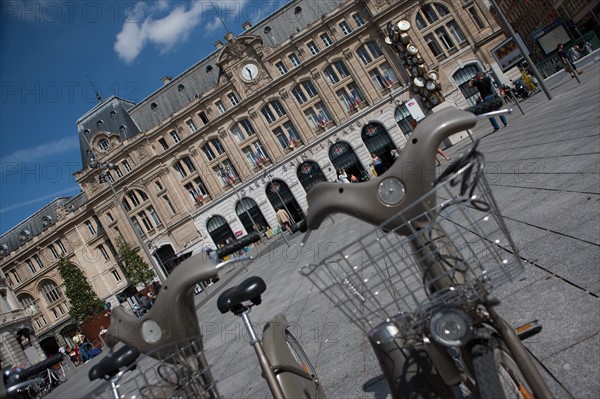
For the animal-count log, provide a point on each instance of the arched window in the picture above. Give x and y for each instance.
(28, 304)
(273, 111)
(304, 91)
(440, 30)
(184, 166)
(51, 292)
(462, 77)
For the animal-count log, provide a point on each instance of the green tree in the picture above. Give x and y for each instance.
(84, 301)
(135, 269)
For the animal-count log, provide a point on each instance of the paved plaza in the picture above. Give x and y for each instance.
(544, 170)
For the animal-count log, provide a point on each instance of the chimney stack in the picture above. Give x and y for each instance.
(246, 25)
(166, 80)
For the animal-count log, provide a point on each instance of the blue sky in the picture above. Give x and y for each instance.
(54, 55)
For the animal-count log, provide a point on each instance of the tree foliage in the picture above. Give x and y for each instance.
(135, 269)
(84, 301)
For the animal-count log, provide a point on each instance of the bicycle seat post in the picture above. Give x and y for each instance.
(265, 364)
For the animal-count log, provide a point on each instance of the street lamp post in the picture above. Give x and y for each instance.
(103, 178)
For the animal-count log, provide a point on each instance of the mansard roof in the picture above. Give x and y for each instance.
(39, 222)
(204, 75)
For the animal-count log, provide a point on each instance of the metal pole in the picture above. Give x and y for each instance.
(159, 272)
(512, 95)
(522, 48)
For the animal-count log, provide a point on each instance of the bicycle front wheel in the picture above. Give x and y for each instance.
(37, 390)
(497, 375)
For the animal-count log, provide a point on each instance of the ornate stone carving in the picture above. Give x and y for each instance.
(348, 54)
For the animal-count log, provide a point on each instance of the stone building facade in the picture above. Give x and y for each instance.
(215, 151)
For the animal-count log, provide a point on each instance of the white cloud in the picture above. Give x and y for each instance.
(150, 25)
(41, 151)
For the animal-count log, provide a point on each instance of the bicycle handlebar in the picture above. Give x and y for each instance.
(15, 379)
(410, 177)
(238, 244)
(173, 316)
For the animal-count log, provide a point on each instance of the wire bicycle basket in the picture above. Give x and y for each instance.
(175, 371)
(381, 275)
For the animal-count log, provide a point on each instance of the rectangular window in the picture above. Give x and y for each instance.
(103, 252)
(118, 171)
(203, 117)
(281, 68)
(233, 99)
(433, 44)
(31, 266)
(90, 227)
(15, 276)
(191, 125)
(294, 59)
(136, 225)
(221, 107)
(197, 190)
(145, 221)
(476, 18)
(444, 38)
(125, 164)
(61, 247)
(110, 178)
(169, 205)
(456, 32)
(326, 39)
(55, 313)
(159, 186)
(175, 136)
(358, 19)
(116, 275)
(164, 144)
(312, 46)
(154, 215)
(55, 254)
(345, 27)
(38, 261)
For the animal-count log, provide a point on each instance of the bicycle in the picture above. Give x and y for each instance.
(169, 335)
(419, 284)
(15, 384)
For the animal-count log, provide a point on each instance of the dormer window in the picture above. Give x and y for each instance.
(180, 87)
(267, 29)
(153, 106)
(104, 144)
(113, 114)
(99, 124)
(24, 235)
(122, 129)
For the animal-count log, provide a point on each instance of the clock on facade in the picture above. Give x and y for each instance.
(249, 72)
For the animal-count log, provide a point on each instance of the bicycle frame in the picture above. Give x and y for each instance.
(173, 319)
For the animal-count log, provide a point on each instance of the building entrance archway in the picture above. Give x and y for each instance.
(342, 156)
(219, 230)
(49, 345)
(378, 142)
(280, 196)
(310, 174)
(166, 258)
(249, 213)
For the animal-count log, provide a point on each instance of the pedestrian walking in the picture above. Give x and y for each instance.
(484, 85)
(284, 219)
(566, 61)
(84, 352)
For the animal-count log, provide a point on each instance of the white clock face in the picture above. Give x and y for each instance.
(249, 72)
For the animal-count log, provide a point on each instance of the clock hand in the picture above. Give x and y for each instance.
(249, 72)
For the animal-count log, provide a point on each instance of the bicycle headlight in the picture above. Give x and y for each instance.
(450, 326)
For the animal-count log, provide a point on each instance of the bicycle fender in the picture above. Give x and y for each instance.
(294, 380)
